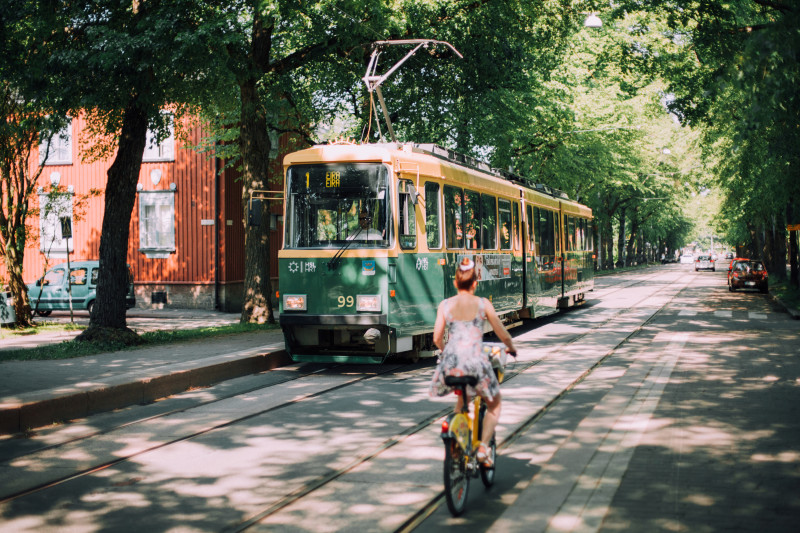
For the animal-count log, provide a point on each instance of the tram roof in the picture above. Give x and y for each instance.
(383, 152)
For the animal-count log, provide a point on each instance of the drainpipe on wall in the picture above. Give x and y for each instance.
(217, 228)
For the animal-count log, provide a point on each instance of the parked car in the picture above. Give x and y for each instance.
(54, 289)
(704, 262)
(733, 260)
(7, 314)
(748, 274)
(729, 255)
(687, 258)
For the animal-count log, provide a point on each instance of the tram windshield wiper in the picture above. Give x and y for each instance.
(333, 264)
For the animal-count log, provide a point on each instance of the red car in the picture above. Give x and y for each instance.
(747, 274)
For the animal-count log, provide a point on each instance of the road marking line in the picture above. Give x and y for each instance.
(723, 314)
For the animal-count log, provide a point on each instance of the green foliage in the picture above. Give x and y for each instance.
(732, 69)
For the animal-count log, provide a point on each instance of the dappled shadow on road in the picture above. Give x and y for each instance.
(722, 452)
(232, 474)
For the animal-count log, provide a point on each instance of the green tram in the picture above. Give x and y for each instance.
(373, 234)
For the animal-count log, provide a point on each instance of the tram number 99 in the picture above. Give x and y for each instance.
(332, 179)
(348, 301)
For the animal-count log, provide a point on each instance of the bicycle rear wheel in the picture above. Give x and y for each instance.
(456, 479)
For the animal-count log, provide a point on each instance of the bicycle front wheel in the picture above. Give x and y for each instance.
(456, 479)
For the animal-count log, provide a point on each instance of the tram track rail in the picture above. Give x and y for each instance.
(106, 464)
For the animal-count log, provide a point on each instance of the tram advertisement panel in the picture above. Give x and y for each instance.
(490, 266)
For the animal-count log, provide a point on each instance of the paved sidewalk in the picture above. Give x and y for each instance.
(38, 393)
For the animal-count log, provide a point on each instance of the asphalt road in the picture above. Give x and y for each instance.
(664, 404)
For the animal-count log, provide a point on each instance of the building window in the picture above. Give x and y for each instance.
(160, 151)
(59, 149)
(53, 208)
(157, 223)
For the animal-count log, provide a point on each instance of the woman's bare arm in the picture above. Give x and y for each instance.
(499, 330)
(438, 327)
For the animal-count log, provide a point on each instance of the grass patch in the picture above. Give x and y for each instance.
(70, 349)
(40, 327)
(787, 294)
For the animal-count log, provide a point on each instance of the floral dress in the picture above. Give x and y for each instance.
(463, 355)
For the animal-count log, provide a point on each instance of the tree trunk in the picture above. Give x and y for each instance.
(14, 253)
(596, 246)
(608, 244)
(16, 284)
(794, 278)
(621, 238)
(630, 252)
(778, 248)
(255, 147)
(108, 316)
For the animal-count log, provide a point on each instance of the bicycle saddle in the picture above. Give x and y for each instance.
(457, 381)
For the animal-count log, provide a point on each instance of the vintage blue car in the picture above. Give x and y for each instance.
(52, 291)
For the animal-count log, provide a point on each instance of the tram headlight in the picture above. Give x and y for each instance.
(294, 302)
(368, 302)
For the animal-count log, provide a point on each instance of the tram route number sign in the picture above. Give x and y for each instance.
(333, 179)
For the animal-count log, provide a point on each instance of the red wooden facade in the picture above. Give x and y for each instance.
(205, 269)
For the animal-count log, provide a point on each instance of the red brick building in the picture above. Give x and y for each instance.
(186, 244)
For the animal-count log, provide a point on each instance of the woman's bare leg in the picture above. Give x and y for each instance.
(491, 418)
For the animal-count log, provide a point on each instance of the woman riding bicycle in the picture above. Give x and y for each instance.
(463, 316)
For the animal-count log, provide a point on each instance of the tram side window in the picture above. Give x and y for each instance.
(589, 235)
(407, 217)
(569, 226)
(453, 217)
(472, 219)
(545, 232)
(531, 239)
(515, 226)
(432, 221)
(489, 226)
(505, 224)
(554, 217)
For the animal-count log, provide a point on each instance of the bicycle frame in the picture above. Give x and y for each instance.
(464, 427)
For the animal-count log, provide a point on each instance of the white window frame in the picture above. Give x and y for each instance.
(60, 148)
(52, 242)
(157, 231)
(163, 151)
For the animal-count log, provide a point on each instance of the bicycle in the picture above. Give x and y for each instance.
(461, 434)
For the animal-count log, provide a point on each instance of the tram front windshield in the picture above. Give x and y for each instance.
(337, 205)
